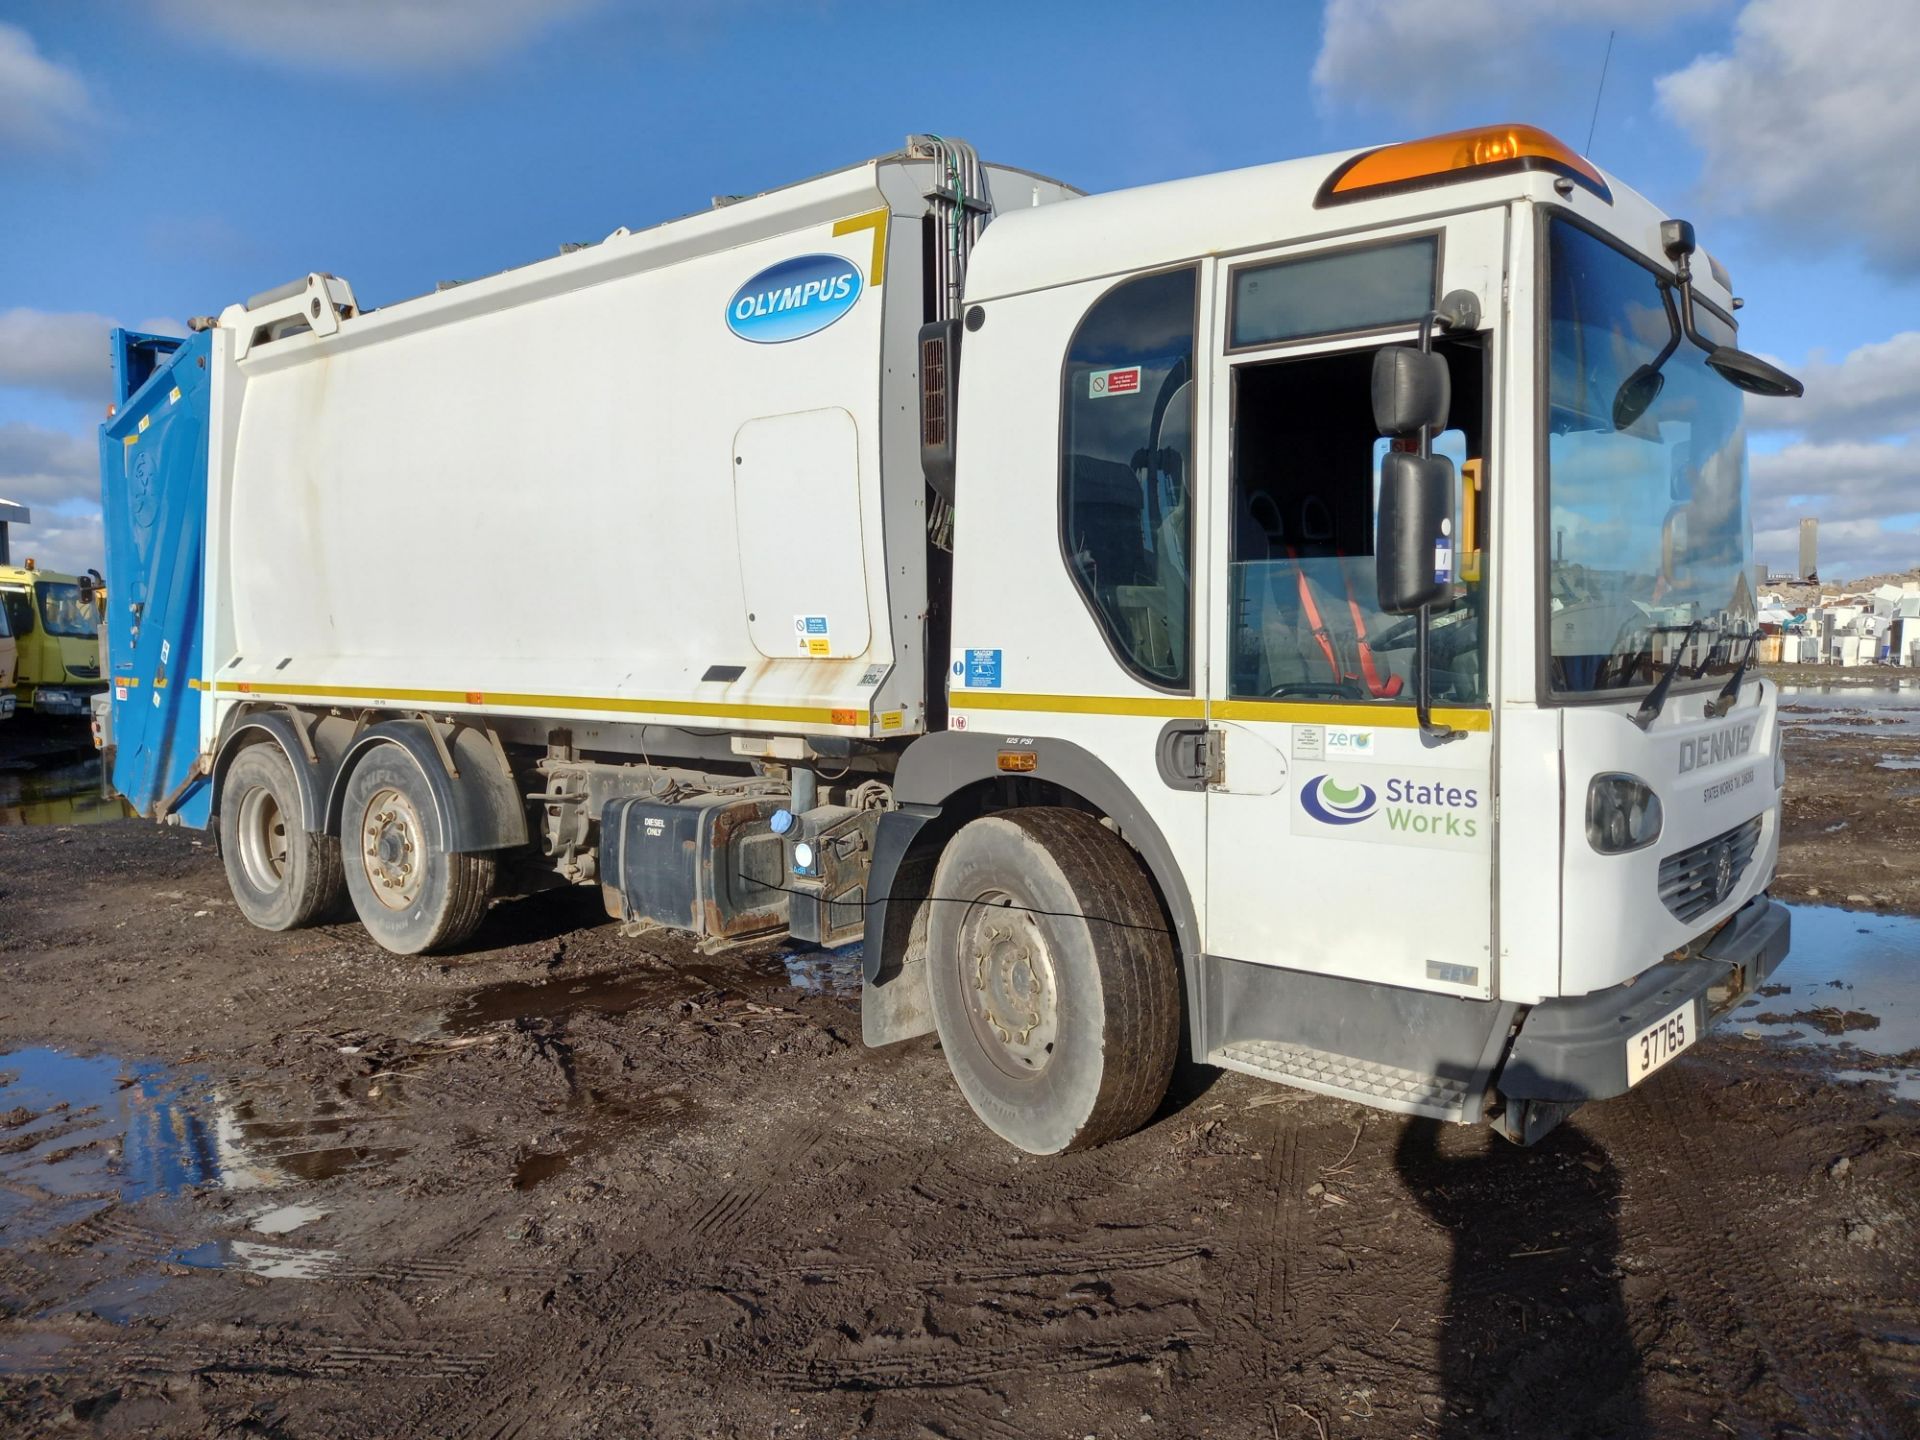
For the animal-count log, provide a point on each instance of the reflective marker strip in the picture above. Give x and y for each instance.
(790, 714)
(1379, 717)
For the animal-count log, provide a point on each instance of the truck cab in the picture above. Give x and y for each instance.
(54, 621)
(1483, 858)
(9, 664)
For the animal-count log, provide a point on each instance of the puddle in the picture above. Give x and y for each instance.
(1851, 983)
(616, 992)
(78, 1133)
(275, 1262)
(598, 1121)
(57, 791)
(825, 972)
(1897, 762)
(1830, 710)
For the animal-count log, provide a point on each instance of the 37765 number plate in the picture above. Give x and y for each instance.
(1660, 1042)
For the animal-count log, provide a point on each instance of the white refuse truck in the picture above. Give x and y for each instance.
(1302, 612)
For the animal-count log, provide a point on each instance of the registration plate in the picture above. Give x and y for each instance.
(1660, 1042)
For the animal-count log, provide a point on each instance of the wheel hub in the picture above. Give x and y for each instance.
(390, 834)
(1009, 986)
(264, 844)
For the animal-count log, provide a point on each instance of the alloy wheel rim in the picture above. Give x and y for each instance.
(264, 842)
(1008, 986)
(392, 853)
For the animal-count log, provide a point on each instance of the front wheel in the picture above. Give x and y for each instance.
(409, 891)
(1052, 979)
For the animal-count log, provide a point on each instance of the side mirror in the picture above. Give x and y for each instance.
(1413, 547)
(1411, 388)
(1752, 374)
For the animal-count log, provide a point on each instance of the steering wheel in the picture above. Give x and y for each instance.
(1332, 688)
(1397, 636)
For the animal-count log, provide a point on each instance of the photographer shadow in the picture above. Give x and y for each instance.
(1534, 1337)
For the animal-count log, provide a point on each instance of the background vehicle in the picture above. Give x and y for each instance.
(1301, 610)
(56, 627)
(9, 664)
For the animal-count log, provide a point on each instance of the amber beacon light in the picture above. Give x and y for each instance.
(1457, 155)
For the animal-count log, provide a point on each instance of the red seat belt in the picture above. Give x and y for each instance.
(1318, 626)
(1391, 686)
(1381, 689)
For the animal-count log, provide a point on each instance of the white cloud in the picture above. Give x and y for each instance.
(1848, 549)
(41, 467)
(43, 105)
(1854, 488)
(1421, 57)
(358, 35)
(63, 351)
(1811, 122)
(70, 543)
(57, 476)
(1872, 393)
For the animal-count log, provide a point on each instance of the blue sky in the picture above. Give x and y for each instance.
(164, 160)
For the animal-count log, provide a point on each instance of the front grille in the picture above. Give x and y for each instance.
(1699, 878)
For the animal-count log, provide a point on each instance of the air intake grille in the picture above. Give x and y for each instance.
(1699, 878)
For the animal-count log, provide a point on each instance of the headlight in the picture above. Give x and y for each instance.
(802, 858)
(1623, 814)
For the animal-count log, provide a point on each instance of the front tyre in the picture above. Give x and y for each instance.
(1052, 979)
(409, 891)
(282, 875)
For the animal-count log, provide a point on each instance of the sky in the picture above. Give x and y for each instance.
(162, 160)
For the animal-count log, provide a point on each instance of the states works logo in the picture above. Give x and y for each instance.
(1334, 804)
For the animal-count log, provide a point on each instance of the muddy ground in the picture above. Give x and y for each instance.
(573, 1184)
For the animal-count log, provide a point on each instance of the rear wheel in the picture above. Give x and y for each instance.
(409, 891)
(1052, 979)
(282, 875)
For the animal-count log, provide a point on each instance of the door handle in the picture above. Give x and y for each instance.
(1190, 754)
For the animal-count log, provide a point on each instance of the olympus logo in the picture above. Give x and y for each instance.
(1726, 744)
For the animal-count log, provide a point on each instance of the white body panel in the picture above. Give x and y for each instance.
(571, 490)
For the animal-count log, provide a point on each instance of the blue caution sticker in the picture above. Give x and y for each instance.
(983, 669)
(1442, 561)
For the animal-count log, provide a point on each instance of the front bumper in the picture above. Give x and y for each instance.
(1574, 1050)
(64, 699)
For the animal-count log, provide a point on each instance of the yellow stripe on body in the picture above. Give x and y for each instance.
(704, 709)
(876, 221)
(1381, 717)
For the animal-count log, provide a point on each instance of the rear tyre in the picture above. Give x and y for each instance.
(409, 891)
(1052, 979)
(282, 875)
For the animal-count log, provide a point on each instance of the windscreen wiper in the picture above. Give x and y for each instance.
(1656, 700)
(1730, 692)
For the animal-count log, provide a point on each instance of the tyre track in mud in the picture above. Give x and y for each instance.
(1763, 1338)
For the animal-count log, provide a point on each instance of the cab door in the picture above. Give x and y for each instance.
(1341, 839)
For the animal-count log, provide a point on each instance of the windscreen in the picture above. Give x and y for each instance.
(63, 612)
(1649, 538)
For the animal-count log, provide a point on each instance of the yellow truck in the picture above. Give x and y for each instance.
(55, 624)
(9, 662)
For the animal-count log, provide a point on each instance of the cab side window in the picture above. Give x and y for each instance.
(1306, 477)
(1126, 513)
(19, 608)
